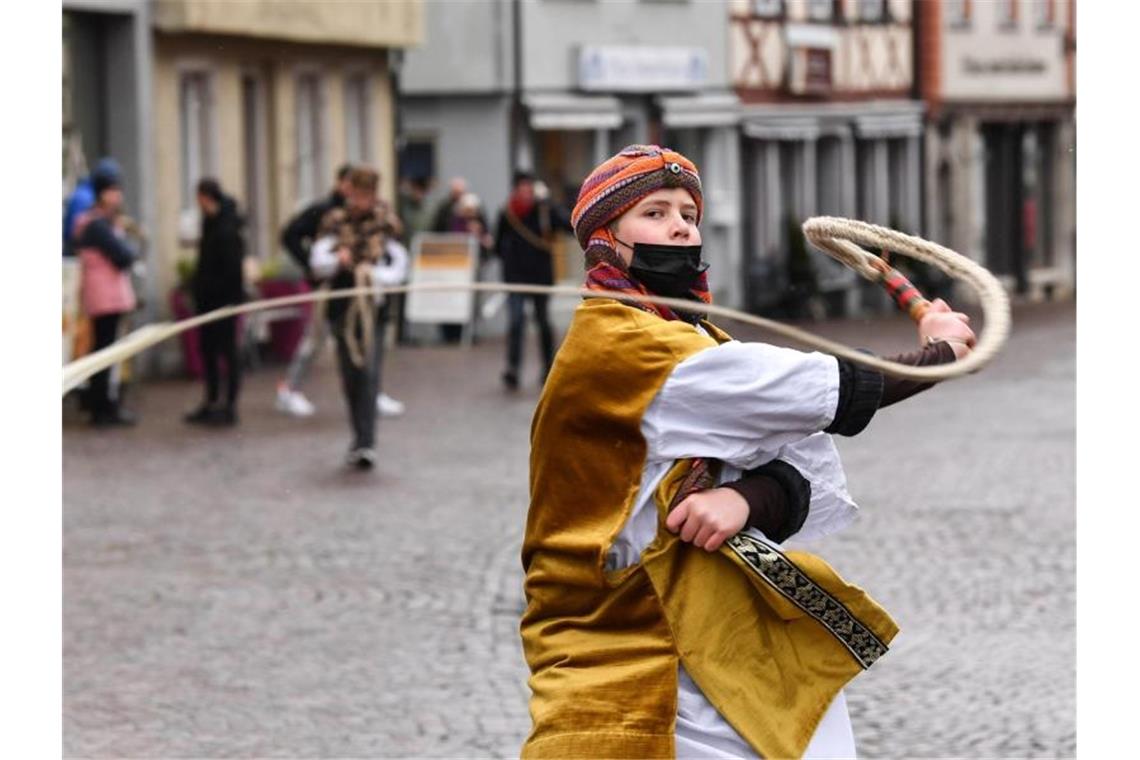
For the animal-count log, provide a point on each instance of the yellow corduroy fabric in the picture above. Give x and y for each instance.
(603, 647)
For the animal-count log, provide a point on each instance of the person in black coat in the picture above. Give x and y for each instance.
(524, 241)
(218, 282)
(297, 238)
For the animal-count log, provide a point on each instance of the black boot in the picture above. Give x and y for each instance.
(203, 415)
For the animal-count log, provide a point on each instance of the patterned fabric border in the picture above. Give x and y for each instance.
(780, 573)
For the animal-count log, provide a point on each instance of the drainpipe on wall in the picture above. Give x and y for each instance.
(395, 65)
(519, 154)
(148, 213)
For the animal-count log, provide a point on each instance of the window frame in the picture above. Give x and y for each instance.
(777, 10)
(1048, 22)
(319, 127)
(881, 17)
(195, 162)
(1008, 15)
(364, 76)
(962, 21)
(828, 18)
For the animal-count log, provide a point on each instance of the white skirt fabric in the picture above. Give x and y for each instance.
(702, 733)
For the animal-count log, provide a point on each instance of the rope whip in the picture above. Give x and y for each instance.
(833, 235)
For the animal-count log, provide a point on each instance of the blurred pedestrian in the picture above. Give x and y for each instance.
(350, 252)
(411, 207)
(453, 214)
(105, 259)
(448, 208)
(524, 240)
(297, 237)
(83, 198)
(218, 281)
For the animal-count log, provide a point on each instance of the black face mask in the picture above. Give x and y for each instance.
(667, 270)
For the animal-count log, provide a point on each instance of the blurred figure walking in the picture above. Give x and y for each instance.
(524, 241)
(218, 282)
(350, 251)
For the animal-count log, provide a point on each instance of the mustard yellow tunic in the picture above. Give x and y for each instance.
(769, 638)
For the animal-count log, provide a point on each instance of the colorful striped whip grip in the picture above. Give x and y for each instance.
(902, 291)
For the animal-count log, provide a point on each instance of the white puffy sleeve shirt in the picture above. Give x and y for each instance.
(744, 404)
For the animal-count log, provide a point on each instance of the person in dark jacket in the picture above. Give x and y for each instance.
(524, 241)
(218, 282)
(298, 237)
(105, 259)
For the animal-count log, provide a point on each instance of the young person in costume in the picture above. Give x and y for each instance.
(358, 246)
(668, 464)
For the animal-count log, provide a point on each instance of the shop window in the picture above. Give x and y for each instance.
(417, 158)
(357, 121)
(817, 74)
(311, 179)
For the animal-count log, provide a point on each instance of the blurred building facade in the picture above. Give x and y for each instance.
(998, 80)
(556, 87)
(948, 118)
(268, 97)
(830, 126)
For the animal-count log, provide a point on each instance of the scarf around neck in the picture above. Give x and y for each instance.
(607, 275)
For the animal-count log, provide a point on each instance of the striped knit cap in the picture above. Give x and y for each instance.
(617, 185)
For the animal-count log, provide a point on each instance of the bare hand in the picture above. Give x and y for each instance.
(942, 323)
(708, 518)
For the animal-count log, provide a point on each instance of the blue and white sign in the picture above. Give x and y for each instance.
(642, 69)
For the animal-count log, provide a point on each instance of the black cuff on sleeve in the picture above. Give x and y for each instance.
(860, 391)
(778, 499)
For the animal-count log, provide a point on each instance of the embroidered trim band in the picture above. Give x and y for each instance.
(780, 573)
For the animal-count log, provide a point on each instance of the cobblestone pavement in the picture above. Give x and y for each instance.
(239, 593)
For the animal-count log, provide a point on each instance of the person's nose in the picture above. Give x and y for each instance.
(678, 227)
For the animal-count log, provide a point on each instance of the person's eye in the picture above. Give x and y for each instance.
(691, 218)
(653, 213)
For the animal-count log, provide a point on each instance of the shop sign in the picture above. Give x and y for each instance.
(642, 69)
(1000, 66)
(444, 258)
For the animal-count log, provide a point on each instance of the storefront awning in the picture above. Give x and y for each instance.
(889, 125)
(783, 128)
(710, 109)
(808, 122)
(564, 110)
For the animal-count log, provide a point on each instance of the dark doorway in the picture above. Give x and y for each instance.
(1005, 202)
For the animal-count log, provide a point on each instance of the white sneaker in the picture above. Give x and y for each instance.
(293, 403)
(388, 406)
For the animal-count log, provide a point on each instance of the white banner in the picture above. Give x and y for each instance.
(442, 258)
